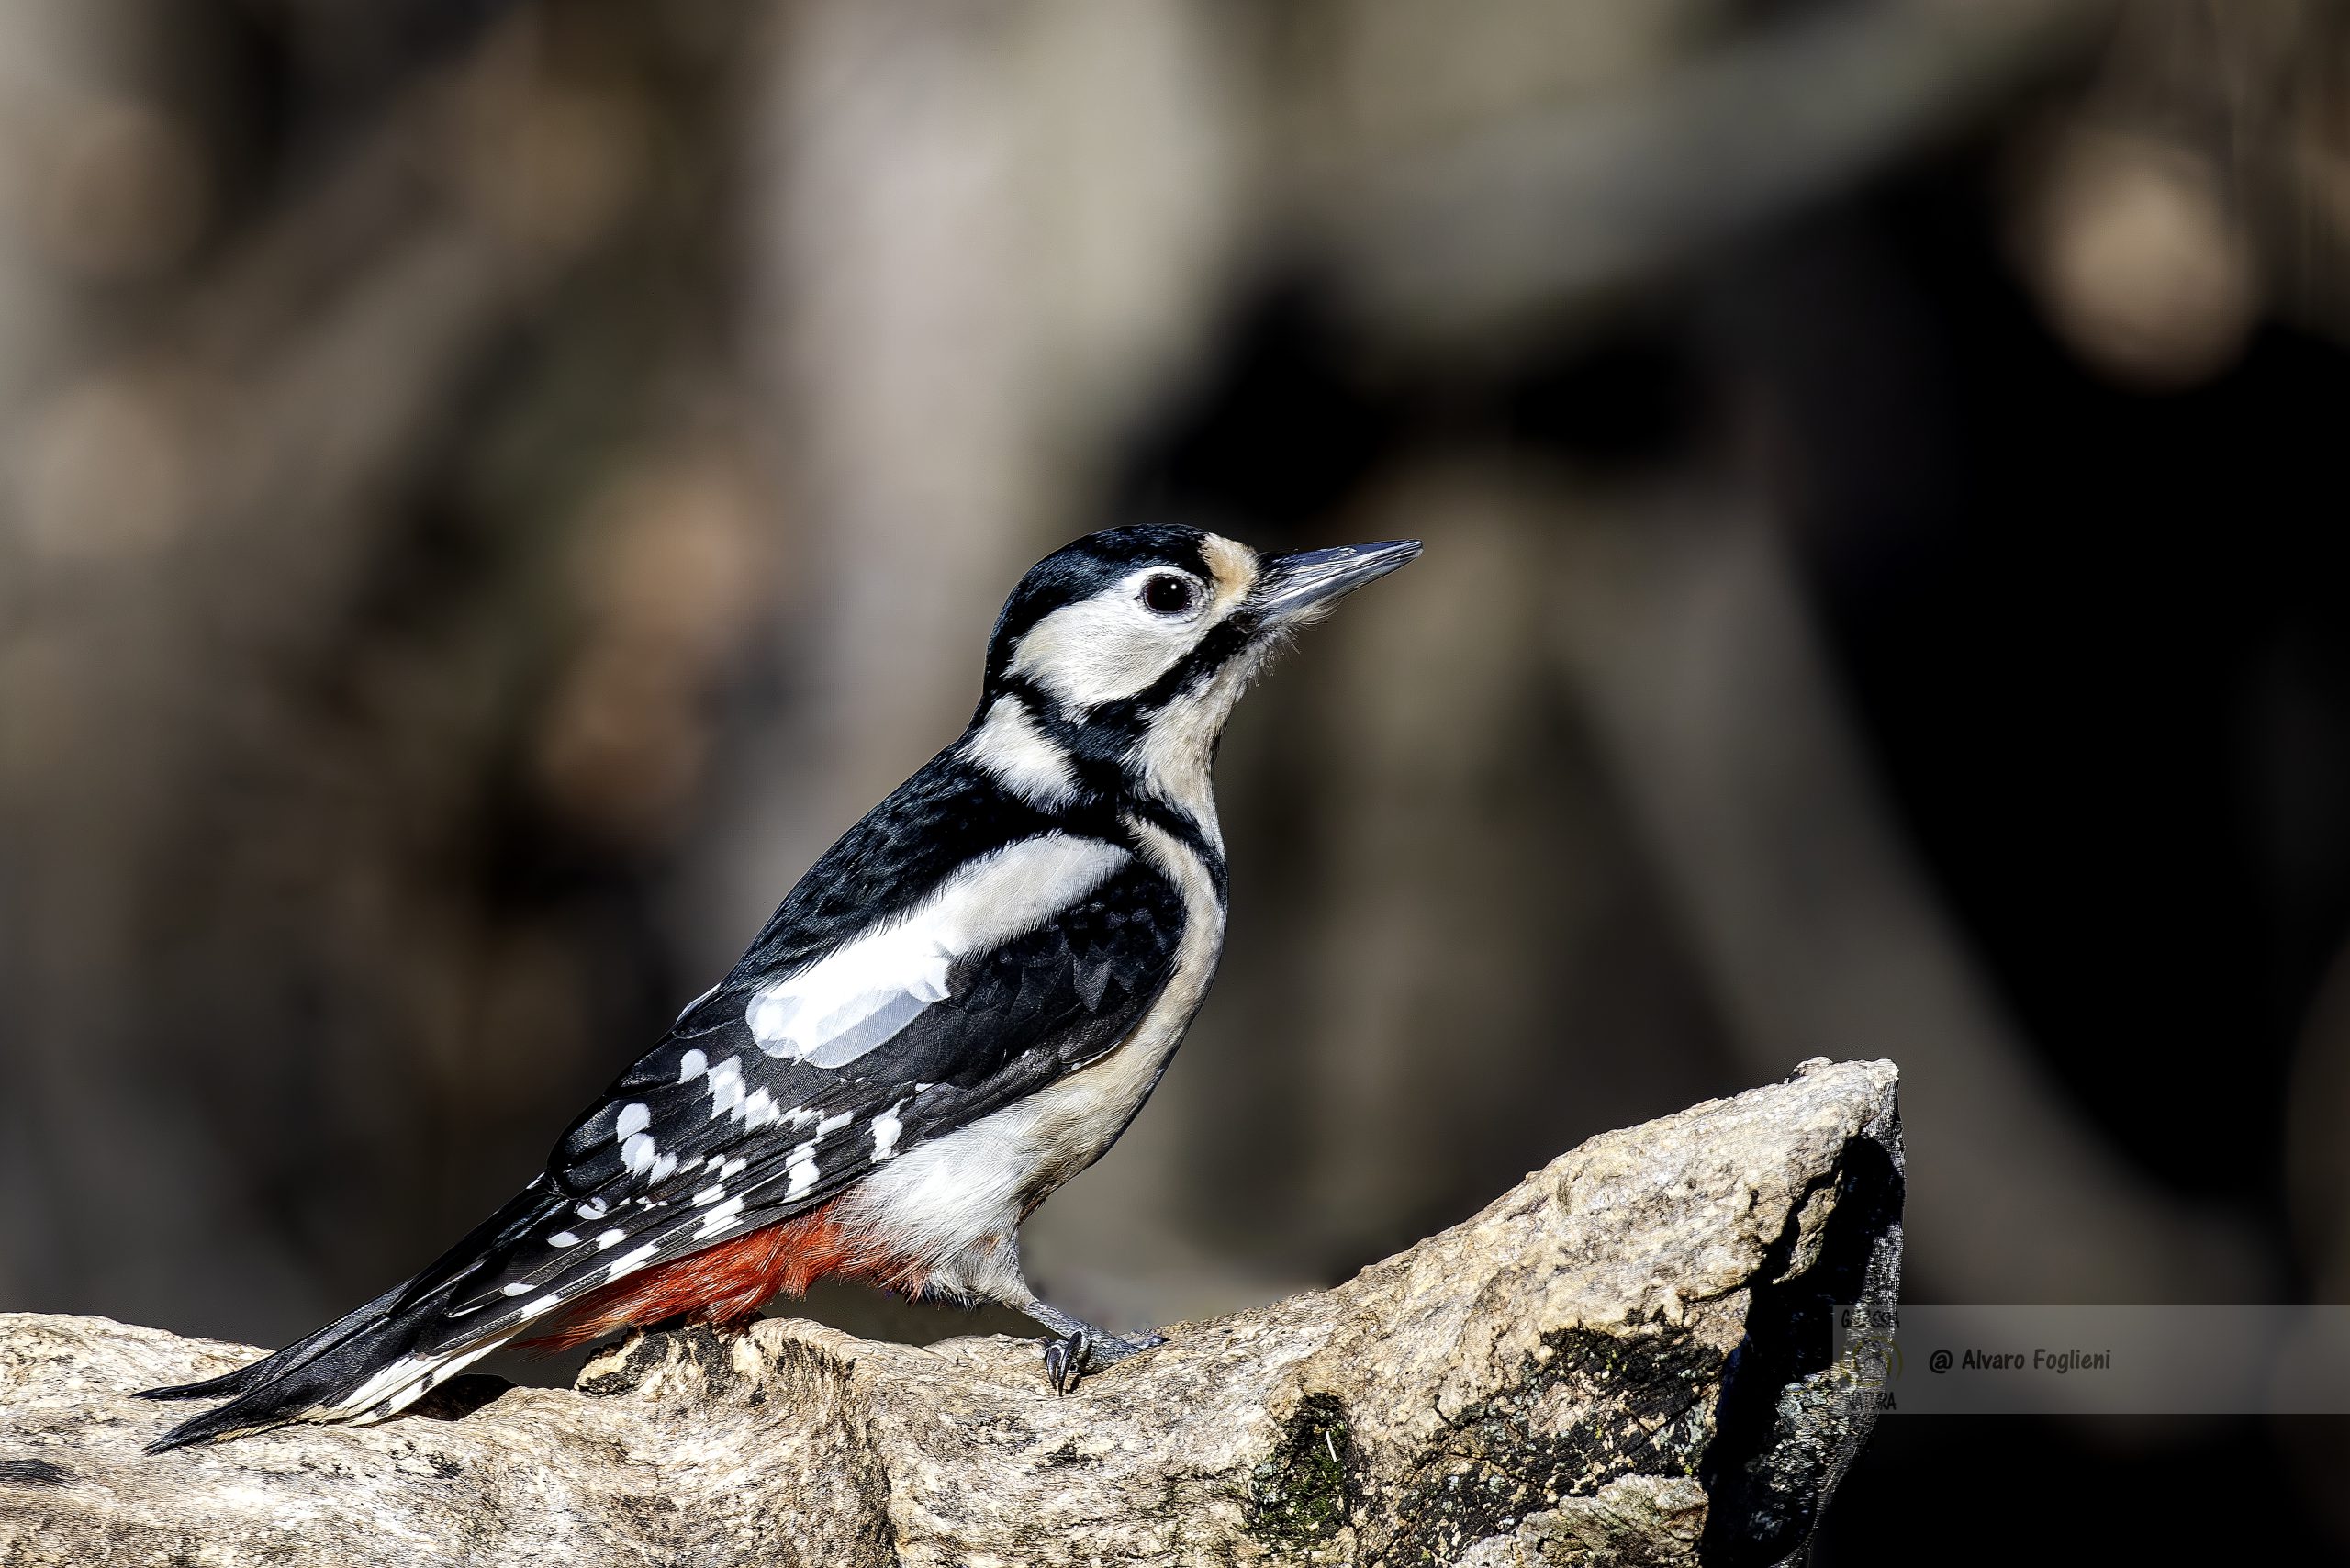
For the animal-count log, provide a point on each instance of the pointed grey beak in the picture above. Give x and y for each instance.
(1301, 585)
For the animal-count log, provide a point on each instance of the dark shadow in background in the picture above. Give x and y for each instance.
(2099, 641)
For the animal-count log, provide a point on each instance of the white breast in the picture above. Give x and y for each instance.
(953, 1202)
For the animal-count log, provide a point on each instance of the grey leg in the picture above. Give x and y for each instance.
(1081, 1349)
(1078, 1348)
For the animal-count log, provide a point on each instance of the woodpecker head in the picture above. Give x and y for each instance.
(1118, 658)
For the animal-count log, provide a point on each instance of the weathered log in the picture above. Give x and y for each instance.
(1624, 1359)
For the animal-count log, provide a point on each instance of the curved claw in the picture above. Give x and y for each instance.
(1066, 1358)
(1083, 1351)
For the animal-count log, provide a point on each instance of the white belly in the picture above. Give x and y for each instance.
(956, 1204)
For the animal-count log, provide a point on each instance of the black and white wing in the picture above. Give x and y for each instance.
(768, 1097)
(773, 1093)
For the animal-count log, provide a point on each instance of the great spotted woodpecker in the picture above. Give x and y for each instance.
(958, 1008)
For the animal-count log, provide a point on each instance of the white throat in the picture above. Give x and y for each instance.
(1175, 758)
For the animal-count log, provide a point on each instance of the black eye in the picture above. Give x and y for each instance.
(1168, 594)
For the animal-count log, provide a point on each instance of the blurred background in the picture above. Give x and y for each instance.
(488, 491)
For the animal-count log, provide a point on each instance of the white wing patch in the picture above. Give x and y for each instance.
(866, 992)
(950, 1199)
(726, 1087)
(886, 1128)
(721, 1217)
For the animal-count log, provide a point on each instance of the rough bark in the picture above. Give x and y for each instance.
(1621, 1360)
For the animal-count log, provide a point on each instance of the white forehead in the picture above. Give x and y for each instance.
(1110, 647)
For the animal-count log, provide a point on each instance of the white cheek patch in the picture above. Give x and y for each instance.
(866, 991)
(1104, 648)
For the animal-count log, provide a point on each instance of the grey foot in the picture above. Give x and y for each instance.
(1085, 1349)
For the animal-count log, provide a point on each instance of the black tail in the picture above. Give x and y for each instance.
(252, 1374)
(313, 1372)
(330, 1366)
